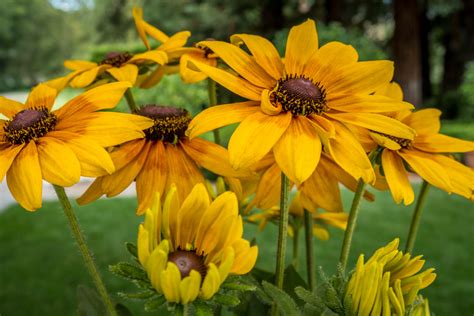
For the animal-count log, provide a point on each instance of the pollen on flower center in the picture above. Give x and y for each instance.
(300, 96)
(29, 124)
(116, 59)
(187, 261)
(170, 123)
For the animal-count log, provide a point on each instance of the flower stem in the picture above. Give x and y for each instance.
(308, 227)
(186, 310)
(86, 253)
(282, 236)
(415, 221)
(295, 246)
(211, 90)
(130, 100)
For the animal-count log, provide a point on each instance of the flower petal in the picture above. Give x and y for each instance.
(175, 41)
(366, 103)
(127, 73)
(255, 137)
(397, 177)
(41, 95)
(301, 45)
(298, 150)
(79, 64)
(267, 106)
(156, 56)
(24, 178)
(189, 75)
(439, 143)
(425, 122)
(9, 107)
(85, 78)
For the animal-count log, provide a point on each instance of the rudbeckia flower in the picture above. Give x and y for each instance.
(162, 157)
(389, 281)
(188, 249)
(60, 146)
(297, 105)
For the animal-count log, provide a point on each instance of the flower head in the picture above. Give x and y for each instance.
(301, 105)
(163, 156)
(188, 249)
(61, 145)
(389, 281)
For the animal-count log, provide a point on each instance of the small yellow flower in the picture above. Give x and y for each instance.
(163, 156)
(388, 282)
(188, 249)
(301, 105)
(61, 145)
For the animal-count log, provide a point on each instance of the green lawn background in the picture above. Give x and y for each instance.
(40, 266)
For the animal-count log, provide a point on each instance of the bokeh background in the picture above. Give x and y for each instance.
(431, 42)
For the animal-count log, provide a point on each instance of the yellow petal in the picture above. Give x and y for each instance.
(366, 103)
(41, 95)
(24, 178)
(397, 177)
(298, 150)
(336, 53)
(143, 248)
(301, 45)
(439, 143)
(242, 63)
(155, 77)
(263, 51)
(391, 90)
(79, 64)
(176, 40)
(169, 280)
(267, 193)
(58, 162)
(7, 155)
(235, 84)
(255, 137)
(156, 56)
(189, 287)
(127, 73)
(267, 106)
(93, 192)
(221, 115)
(425, 122)
(189, 75)
(85, 78)
(9, 107)
(384, 141)
(211, 283)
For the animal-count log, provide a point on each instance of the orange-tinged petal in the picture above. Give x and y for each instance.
(126, 153)
(267, 106)
(425, 122)
(59, 164)
(439, 143)
(221, 115)
(366, 103)
(397, 177)
(156, 56)
(255, 137)
(324, 126)
(41, 95)
(235, 84)
(9, 107)
(267, 194)
(298, 150)
(427, 168)
(242, 63)
(127, 72)
(301, 45)
(24, 178)
(7, 155)
(263, 51)
(93, 192)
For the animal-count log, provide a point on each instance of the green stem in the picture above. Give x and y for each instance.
(86, 253)
(130, 100)
(415, 221)
(186, 310)
(308, 227)
(211, 90)
(295, 246)
(353, 213)
(282, 235)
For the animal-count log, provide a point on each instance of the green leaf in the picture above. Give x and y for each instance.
(89, 302)
(155, 303)
(226, 299)
(309, 297)
(137, 296)
(291, 281)
(132, 249)
(285, 304)
(122, 310)
(129, 271)
(239, 283)
(202, 309)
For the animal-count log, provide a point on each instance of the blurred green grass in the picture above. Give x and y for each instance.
(40, 266)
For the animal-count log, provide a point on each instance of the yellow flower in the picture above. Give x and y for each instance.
(162, 157)
(60, 146)
(297, 106)
(421, 307)
(389, 281)
(200, 54)
(188, 249)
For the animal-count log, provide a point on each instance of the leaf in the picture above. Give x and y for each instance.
(309, 297)
(132, 249)
(283, 301)
(291, 281)
(122, 310)
(155, 303)
(226, 299)
(89, 302)
(129, 271)
(239, 283)
(202, 309)
(137, 296)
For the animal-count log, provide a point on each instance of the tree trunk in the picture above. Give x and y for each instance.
(272, 16)
(407, 50)
(334, 10)
(425, 30)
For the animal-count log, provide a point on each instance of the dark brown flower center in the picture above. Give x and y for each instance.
(403, 142)
(187, 261)
(29, 124)
(300, 96)
(170, 123)
(116, 59)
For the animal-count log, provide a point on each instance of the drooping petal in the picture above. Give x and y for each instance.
(301, 45)
(59, 164)
(41, 95)
(439, 143)
(7, 155)
(397, 177)
(24, 178)
(190, 75)
(263, 51)
(93, 192)
(221, 115)
(255, 137)
(298, 150)
(176, 40)
(127, 152)
(267, 106)
(9, 107)
(127, 73)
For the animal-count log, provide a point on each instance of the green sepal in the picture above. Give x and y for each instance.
(155, 303)
(226, 299)
(129, 271)
(132, 249)
(89, 302)
(137, 296)
(285, 304)
(202, 309)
